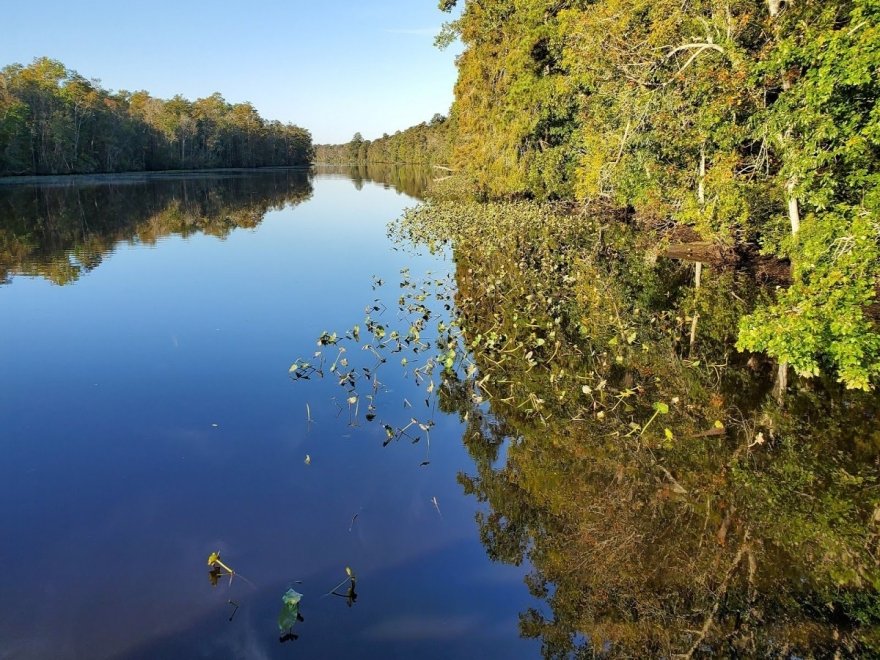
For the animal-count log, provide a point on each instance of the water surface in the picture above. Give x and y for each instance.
(599, 472)
(148, 419)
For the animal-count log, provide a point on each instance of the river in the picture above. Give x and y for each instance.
(149, 419)
(243, 417)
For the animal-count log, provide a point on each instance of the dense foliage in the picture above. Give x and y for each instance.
(748, 120)
(55, 121)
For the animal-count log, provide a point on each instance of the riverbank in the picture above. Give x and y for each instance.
(116, 178)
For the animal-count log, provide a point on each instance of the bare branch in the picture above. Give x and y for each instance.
(701, 45)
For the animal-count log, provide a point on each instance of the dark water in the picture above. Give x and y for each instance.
(148, 419)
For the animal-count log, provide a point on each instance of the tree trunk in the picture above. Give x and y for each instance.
(781, 384)
(701, 185)
(794, 213)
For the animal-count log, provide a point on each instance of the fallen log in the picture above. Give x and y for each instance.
(705, 252)
(746, 257)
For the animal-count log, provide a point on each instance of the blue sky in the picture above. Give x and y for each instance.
(334, 67)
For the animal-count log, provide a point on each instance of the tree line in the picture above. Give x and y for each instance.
(55, 121)
(426, 143)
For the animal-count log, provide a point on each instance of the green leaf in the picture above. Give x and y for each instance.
(289, 609)
(661, 408)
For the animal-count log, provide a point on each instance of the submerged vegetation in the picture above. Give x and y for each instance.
(667, 503)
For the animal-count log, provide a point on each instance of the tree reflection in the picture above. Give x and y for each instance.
(412, 180)
(60, 232)
(727, 525)
(667, 501)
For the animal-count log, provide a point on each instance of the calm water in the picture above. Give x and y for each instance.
(148, 419)
(598, 474)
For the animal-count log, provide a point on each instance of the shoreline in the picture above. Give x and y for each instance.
(112, 178)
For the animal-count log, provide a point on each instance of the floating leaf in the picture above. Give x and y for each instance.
(327, 339)
(216, 564)
(449, 360)
(289, 609)
(661, 408)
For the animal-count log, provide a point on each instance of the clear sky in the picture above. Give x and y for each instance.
(332, 66)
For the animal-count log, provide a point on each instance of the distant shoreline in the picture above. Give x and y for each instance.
(137, 176)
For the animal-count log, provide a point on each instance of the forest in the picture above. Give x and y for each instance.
(752, 124)
(55, 121)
